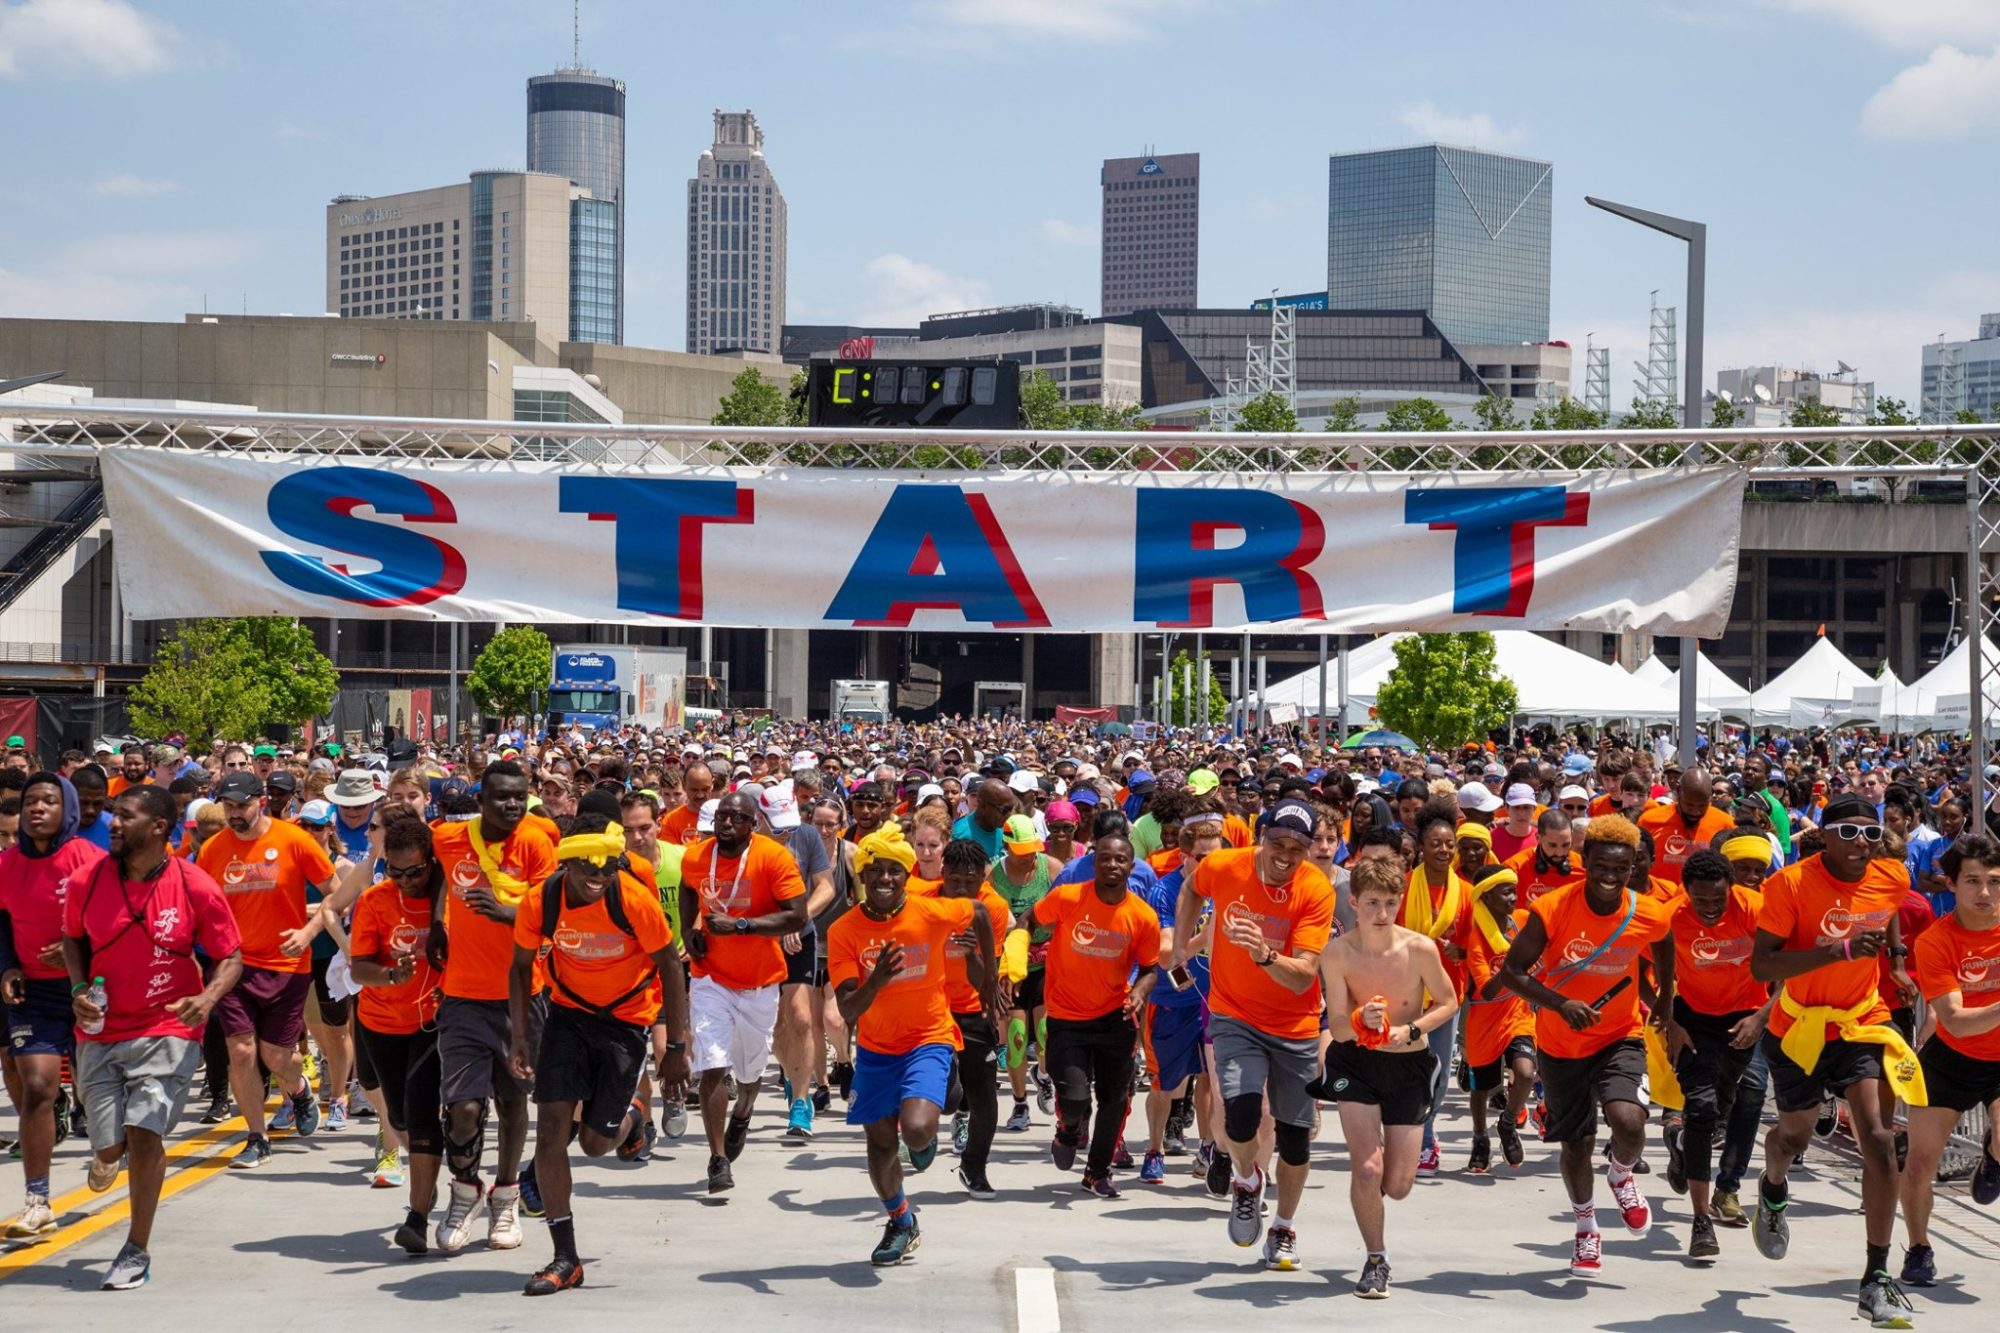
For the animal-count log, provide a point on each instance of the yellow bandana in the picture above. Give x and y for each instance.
(1420, 916)
(506, 888)
(885, 844)
(596, 848)
(1482, 916)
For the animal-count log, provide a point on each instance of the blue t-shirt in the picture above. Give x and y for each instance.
(991, 842)
(1084, 869)
(1164, 897)
(98, 834)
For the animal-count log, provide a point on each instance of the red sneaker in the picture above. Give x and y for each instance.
(1427, 1164)
(1541, 1119)
(1638, 1213)
(1587, 1259)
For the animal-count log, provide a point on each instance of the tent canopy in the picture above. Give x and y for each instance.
(1816, 690)
(1653, 671)
(1713, 688)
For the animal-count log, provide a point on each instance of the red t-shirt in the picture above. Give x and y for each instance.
(32, 890)
(142, 936)
(266, 882)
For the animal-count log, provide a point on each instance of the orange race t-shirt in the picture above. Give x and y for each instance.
(1537, 879)
(912, 1010)
(753, 884)
(1712, 963)
(266, 883)
(118, 786)
(480, 950)
(590, 960)
(678, 827)
(1093, 947)
(959, 991)
(385, 924)
(1947, 958)
(1460, 929)
(1807, 908)
(1574, 932)
(1296, 917)
(1491, 1024)
(1165, 862)
(1235, 832)
(1674, 842)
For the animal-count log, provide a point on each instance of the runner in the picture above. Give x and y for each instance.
(1101, 931)
(1685, 827)
(266, 867)
(138, 919)
(1593, 936)
(1437, 903)
(1823, 923)
(1547, 865)
(680, 824)
(828, 820)
(1499, 1025)
(901, 1015)
(639, 816)
(1958, 970)
(1383, 983)
(741, 892)
(489, 863)
(975, 1097)
(1274, 911)
(37, 875)
(1176, 1028)
(1023, 878)
(1719, 1012)
(611, 970)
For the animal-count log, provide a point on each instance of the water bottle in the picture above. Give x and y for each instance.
(97, 997)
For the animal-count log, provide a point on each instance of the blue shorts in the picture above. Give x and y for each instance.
(1174, 1043)
(882, 1083)
(42, 1023)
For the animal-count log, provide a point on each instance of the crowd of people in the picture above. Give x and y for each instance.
(929, 922)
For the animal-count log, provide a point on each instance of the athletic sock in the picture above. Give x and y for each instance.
(1586, 1216)
(1878, 1262)
(1246, 1182)
(1617, 1173)
(898, 1209)
(1382, 1255)
(1773, 1192)
(38, 1186)
(562, 1230)
(1284, 1222)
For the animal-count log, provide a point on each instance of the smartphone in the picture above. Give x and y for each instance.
(1179, 977)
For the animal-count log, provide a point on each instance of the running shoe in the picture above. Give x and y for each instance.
(822, 1098)
(1829, 1117)
(64, 1110)
(503, 1217)
(1701, 1239)
(976, 1184)
(1540, 1115)
(1428, 1162)
(1204, 1153)
(309, 1066)
(720, 1177)
(256, 1152)
(412, 1234)
(800, 1126)
(634, 1145)
(1154, 1170)
(1769, 1230)
(357, 1099)
(36, 1219)
(921, 1158)
(1510, 1140)
(897, 1244)
(101, 1175)
(1986, 1180)
(336, 1117)
(1481, 1159)
(1632, 1205)
(674, 1120)
(559, 1274)
(1374, 1283)
(531, 1192)
(1101, 1186)
(286, 1117)
(961, 1129)
(1677, 1176)
(1062, 1149)
(1018, 1123)
(843, 1078)
(389, 1169)
(1281, 1250)
(734, 1136)
(1727, 1209)
(1244, 1205)
(1121, 1158)
(1217, 1176)
(1587, 1258)
(1176, 1138)
(132, 1268)
(305, 1111)
(1045, 1089)
(455, 1230)
(1919, 1266)
(217, 1112)
(1884, 1305)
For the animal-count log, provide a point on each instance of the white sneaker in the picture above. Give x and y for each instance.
(455, 1230)
(503, 1217)
(102, 1175)
(36, 1219)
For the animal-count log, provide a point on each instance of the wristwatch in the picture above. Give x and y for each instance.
(1899, 951)
(677, 1048)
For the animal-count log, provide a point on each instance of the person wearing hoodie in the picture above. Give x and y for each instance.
(36, 876)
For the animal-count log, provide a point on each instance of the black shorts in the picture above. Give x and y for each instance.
(43, 1022)
(1841, 1063)
(1028, 995)
(1397, 1081)
(1573, 1090)
(594, 1062)
(800, 966)
(1493, 1074)
(473, 1037)
(1955, 1080)
(1905, 1022)
(332, 1012)
(407, 1066)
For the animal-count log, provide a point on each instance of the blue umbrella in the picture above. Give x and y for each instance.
(1387, 740)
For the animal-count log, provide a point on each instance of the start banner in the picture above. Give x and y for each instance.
(211, 534)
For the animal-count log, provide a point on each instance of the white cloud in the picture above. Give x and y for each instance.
(1072, 20)
(132, 187)
(1068, 233)
(1477, 130)
(108, 37)
(1949, 96)
(1917, 24)
(903, 291)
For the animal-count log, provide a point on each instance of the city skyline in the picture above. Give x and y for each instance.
(157, 195)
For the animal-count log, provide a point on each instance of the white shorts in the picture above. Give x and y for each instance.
(732, 1028)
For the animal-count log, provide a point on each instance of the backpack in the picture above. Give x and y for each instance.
(614, 907)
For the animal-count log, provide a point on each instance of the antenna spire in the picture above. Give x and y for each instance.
(576, 34)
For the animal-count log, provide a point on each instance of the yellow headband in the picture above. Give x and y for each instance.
(1495, 879)
(1748, 847)
(885, 844)
(1477, 832)
(596, 848)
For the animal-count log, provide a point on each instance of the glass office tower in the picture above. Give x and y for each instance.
(576, 128)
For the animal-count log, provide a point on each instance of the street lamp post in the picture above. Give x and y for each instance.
(1696, 236)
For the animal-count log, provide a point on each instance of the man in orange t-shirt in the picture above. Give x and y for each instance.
(1685, 827)
(740, 892)
(1273, 914)
(1823, 925)
(977, 1115)
(1958, 970)
(1577, 961)
(1547, 865)
(681, 825)
(1499, 1025)
(889, 963)
(490, 862)
(1099, 932)
(264, 866)
(612, 970)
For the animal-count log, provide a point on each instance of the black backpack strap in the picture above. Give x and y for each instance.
(614, 907)
(552, 898)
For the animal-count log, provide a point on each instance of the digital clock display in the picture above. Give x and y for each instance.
(983, 395)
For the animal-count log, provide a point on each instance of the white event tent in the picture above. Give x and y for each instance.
(1815, 691)
(1714, 690)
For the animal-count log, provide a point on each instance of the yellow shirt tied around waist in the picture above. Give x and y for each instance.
(1803, 1044)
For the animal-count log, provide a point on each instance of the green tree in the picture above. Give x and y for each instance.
(1812, 412)
(232, 678)
(1965, 416)
(1218, 698)
(1042, 404)
(1446, 689)
(1497, 413)
(511, 671)
(1891, 412)
(753, 400)
(1647, 415)
(1722, 414)
(1565, 414)
(1345, 414)
(1268, 412)
(1417, 414)
(1104, 416)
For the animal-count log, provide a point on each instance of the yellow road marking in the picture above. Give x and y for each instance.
(29, 1255)
(179, 1150)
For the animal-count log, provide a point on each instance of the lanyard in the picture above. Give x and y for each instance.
(714, 860)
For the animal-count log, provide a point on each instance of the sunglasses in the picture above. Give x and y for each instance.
(408, 874)
(1852, 832)
(1575, 809)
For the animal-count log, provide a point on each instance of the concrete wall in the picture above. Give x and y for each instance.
(663, 388)
(1858, 529)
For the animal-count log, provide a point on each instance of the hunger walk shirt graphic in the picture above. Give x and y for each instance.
(265, 880)
(913, 1009)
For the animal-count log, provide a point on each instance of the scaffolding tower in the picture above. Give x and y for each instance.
(1945, 398)
(1267, 368)
(1597, 377)
(1659, 374)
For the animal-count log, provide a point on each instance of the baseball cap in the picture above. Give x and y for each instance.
(317, 813)
(1020, 836)
(1023, 781)
(281, 781)
(240, 786)
(1291, 759)
(1477, 796)
(1572, 793)
(264, 752)
(928, 790)
(779, 805)
(1293, 816)
(1577, 763)
(804, 759)
(16, 743)
(1140, 780)
(1494, 771)
(1061, 811)
(1082, 796)
(1521, 794)
(705, 821)
(1203, 781)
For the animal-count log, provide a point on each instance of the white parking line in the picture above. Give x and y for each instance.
(1035, 1300)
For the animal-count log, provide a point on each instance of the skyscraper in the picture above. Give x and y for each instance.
(1150, 245)
(1461, 235)
(576, 128)
(735, 243)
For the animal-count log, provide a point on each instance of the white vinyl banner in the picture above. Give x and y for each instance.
(210, 534)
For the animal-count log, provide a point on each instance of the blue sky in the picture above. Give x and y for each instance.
(940, 154)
